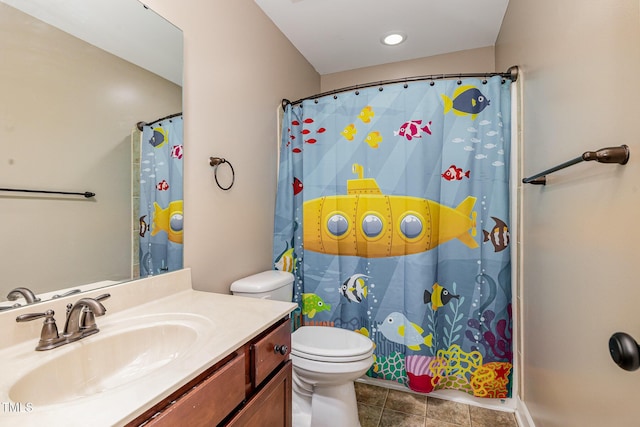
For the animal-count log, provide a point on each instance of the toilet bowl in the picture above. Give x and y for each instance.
(325, 360)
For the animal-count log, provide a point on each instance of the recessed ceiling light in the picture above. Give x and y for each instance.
(393, 39)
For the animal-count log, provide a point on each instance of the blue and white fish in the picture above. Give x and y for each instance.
(397, 328)
(354, 289)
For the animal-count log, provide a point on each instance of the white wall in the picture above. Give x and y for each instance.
(479, 60)
(579, 64)
(238, 67)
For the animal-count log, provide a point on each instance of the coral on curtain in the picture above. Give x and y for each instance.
(393, 214)
(161, 211)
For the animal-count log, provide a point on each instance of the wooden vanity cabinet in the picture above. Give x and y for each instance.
(250, 387)
(271, 406)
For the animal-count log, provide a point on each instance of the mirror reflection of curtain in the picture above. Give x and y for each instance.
(161, 206)
(392, 212)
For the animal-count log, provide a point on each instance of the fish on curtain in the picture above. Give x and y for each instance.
(392, 213)
(161, 207)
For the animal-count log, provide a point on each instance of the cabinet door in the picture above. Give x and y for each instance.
(271, 406)
(210, 401)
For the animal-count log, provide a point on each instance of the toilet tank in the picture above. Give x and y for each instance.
(274, 284)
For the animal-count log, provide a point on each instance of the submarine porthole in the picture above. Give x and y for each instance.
(372, 225)
(411, 226)
(337, 224)
(175, 222)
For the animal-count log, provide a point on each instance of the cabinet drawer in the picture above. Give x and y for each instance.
(210, 401)
(266, 353)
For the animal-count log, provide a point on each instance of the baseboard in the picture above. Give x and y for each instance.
(523, 417)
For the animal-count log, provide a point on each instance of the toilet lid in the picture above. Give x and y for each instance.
(328, 342)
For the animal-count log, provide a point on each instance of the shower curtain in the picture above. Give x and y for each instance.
(392, 212)
(161, 211)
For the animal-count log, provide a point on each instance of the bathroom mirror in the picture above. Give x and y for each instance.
(76, 77)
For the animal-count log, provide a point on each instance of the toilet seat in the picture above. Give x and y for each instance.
(329, 344)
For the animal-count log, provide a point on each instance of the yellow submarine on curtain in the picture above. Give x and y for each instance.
(392, 212)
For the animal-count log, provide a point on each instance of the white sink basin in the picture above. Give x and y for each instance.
(157, 336)
(119, 354)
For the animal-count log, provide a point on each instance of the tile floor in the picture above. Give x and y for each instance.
(382, 407)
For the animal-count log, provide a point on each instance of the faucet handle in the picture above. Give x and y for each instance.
(102, 297)
(66, 294)
(88, 318)
(49, 337)
(33, 316)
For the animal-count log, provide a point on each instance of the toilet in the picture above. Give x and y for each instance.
(325, 360)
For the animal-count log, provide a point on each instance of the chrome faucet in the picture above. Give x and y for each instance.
(80, 322)
(25, 293)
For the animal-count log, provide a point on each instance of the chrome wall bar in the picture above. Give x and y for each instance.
(619, 155)
(86, 194)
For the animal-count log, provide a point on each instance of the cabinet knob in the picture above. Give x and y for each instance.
(282, 349)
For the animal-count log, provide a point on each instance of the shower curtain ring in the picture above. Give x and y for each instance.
(217, 161)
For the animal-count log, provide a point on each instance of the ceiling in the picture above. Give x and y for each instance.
(340, 35)
(125, 28)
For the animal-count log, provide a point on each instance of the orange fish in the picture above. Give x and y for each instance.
(349, 132)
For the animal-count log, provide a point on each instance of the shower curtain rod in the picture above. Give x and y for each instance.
(139, 125)
(511, 73)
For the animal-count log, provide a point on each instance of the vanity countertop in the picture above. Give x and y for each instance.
(229, 322)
